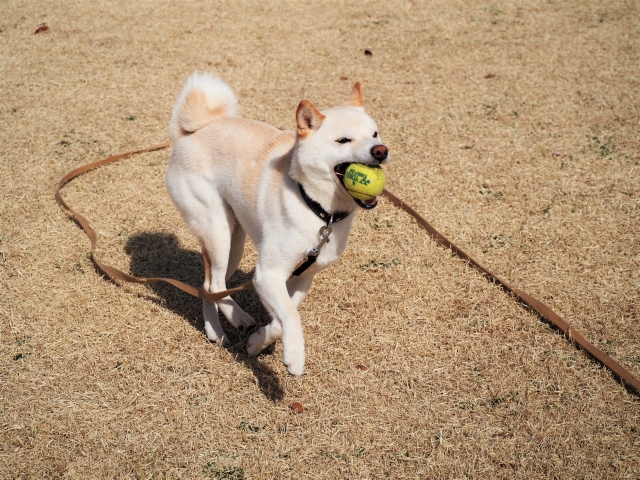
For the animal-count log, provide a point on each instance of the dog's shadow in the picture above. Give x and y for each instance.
(156, 254)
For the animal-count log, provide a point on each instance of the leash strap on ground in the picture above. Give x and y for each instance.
(114, 272)
(536, 305)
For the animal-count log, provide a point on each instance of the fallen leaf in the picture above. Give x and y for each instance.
(43, 27)
(344, 78)
(490, 75)
(361, 367)
(296, 406)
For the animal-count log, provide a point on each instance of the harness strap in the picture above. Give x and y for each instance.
(320, 212)
(537, 306)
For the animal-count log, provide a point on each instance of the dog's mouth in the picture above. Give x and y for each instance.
(340, 170)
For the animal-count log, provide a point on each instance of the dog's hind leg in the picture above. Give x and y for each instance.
(231, 310)
(212, 326)
(220, 252)
(236, 250)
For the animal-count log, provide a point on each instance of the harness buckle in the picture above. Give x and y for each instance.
(311, 256)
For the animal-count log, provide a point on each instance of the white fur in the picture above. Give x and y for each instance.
(217, 94)
(233, 177)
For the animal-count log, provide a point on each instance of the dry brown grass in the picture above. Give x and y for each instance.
(513, 127)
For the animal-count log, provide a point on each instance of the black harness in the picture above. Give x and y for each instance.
(319, 211)
(328, 218)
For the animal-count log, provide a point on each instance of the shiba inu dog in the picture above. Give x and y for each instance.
(231, 177)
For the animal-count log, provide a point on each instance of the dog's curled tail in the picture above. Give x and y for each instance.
(203, 98)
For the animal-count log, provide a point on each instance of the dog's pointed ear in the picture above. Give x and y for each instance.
(355, 97)
(308, 118)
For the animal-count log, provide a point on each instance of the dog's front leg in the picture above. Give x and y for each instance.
(265, 336)
(271, 285)
(298, 287)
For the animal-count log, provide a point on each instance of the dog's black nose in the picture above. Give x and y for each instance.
(380, 153)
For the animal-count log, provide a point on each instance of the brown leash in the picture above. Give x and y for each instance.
(114, 272)
(537, 306)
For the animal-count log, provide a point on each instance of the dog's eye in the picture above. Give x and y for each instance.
(343, 140)
(375, 135)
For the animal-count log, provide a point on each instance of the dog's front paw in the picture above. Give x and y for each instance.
(257, 342)
(293, 359)
(264, 337)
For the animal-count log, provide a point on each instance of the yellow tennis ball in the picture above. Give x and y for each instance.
(364, 182)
